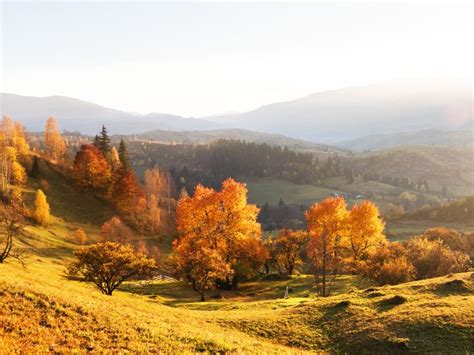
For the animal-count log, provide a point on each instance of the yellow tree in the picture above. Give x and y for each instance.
(365, 231)
(53, 140)
(41, 209)
(19, 140)
(327, 226)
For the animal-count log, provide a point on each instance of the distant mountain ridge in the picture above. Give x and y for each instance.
(392, 106)
(86, 117)
(329, 116)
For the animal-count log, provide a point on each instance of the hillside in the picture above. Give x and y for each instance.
(460, 138)
(440, 166)
(459, 211)
(209, 136)
(41, 310)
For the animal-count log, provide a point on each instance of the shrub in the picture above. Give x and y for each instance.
(388, 265)
(109, 264)
(432, 258)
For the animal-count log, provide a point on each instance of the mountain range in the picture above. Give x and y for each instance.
(330, 116)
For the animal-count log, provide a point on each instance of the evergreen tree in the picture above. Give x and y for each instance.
(96, 141)
(35, 169)
(123, 156)
(104, 141)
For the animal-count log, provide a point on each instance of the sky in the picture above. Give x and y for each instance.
(198, 59)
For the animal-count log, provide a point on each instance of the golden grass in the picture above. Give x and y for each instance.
(42, 311)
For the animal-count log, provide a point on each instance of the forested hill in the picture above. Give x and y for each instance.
(235, 158)
(460, 211)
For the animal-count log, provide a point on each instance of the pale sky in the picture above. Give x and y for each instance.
(197, 59)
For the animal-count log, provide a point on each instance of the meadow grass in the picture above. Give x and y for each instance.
(41, 310)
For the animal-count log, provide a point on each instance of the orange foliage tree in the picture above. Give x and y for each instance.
(90, 169)
(115, 231)
(55, 145)
(219, 237)
(327, 223)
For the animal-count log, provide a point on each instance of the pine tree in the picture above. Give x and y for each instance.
(123, 155)
(104, 141)
(96, 141)
(35, 169)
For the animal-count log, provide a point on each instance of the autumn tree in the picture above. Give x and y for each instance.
(434, 258)
(327, 223)
(13, 149)
(90, 169)
(147, 215)
(288, 248)
(20, 140)
(115, 231)
(114, 159)
(41, 209)
(12, 223)
(109, 264)
(219, 237)
(125, 192)
(387, 264)
(80, 236)
(450, 237)
(365, 231)
(55, 145)
(158, 183)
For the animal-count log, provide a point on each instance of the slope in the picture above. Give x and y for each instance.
(42, 311)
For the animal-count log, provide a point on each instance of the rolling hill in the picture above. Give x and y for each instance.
(440, 166)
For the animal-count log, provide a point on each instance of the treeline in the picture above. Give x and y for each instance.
(226, 158)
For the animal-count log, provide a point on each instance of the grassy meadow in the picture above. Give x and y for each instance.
(41, 310)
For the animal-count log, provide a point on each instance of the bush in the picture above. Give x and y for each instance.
(388, 265)
(109, 264)
(432, 258)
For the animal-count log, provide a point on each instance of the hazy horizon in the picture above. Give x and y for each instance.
(205, 59)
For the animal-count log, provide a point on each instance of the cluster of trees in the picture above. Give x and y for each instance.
(15, 155)
(282, 216)
(102, 168)
(14, 151)
(220, 244)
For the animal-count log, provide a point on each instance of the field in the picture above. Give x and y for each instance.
(271, 190)
(41, 310)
